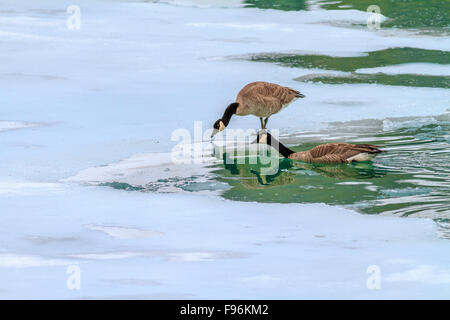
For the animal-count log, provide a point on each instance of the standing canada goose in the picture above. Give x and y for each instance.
(325, 153)
(261, 99)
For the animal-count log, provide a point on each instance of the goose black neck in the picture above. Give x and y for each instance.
(229, 111)
(281, 148)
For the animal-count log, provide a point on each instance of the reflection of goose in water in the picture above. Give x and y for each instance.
(341, 171)
(286, 172)
(263, 180)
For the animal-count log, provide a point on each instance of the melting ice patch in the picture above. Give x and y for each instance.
(165, 172)
(150, 171)
(405, 192)
(409, 123)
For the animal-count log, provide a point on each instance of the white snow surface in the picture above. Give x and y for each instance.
(137, 245)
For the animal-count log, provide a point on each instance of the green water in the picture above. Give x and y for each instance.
(121, 186)
(287, 5)
(428, 14)
(374, 59)
(411, 178)
(408, 80)
(431, 15)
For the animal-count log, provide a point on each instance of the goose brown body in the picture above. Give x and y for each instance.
(264, 99)
(325, 153)
(337, 153)
(259, 98)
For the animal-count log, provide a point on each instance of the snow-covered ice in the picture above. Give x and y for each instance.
(141, 245)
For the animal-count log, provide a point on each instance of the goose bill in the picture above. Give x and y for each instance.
(215, 131)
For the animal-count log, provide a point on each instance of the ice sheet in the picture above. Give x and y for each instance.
(139, 245)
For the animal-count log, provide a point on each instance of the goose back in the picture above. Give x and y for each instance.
(263, 99)
(337, 153)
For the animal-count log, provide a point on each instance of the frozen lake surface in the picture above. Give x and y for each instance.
(86, 177)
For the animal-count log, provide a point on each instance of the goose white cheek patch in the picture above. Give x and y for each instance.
(263, 139)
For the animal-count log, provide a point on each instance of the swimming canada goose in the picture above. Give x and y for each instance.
(261, 99)
(340, 152)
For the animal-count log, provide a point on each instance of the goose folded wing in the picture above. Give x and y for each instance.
(328, 149)
(331, 158)
(264, 105)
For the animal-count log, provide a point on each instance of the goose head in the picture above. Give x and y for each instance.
(217, 127)
(222, 123)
